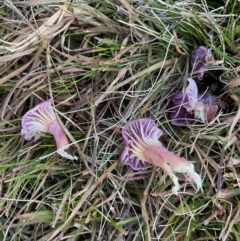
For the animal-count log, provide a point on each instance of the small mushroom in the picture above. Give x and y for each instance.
(42, 119)
(200, 57)
(178, 114)
(142, 148)
(188, 106)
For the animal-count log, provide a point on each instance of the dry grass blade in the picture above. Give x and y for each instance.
(47, 30)
(231, 136)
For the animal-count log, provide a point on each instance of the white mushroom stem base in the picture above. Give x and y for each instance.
(66, 155)
(170, 173)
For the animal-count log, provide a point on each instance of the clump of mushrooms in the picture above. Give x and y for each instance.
(189, 105)
(42, 119)
(142, 149)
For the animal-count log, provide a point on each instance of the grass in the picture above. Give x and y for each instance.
(106, 63)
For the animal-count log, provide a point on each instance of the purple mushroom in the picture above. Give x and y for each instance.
(199, 60)
(189, 106)
(42, 119)
(142, 148)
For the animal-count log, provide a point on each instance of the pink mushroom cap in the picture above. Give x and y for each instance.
(38, 120)
(133, 134)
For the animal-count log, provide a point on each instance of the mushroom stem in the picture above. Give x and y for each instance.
(61, 140)
(59, 135)
(159, 156)
(156, 154)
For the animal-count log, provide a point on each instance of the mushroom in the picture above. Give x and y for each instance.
(200, 57)
(188, 106)
(42, 119)
(179, 116)
(142, 148)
